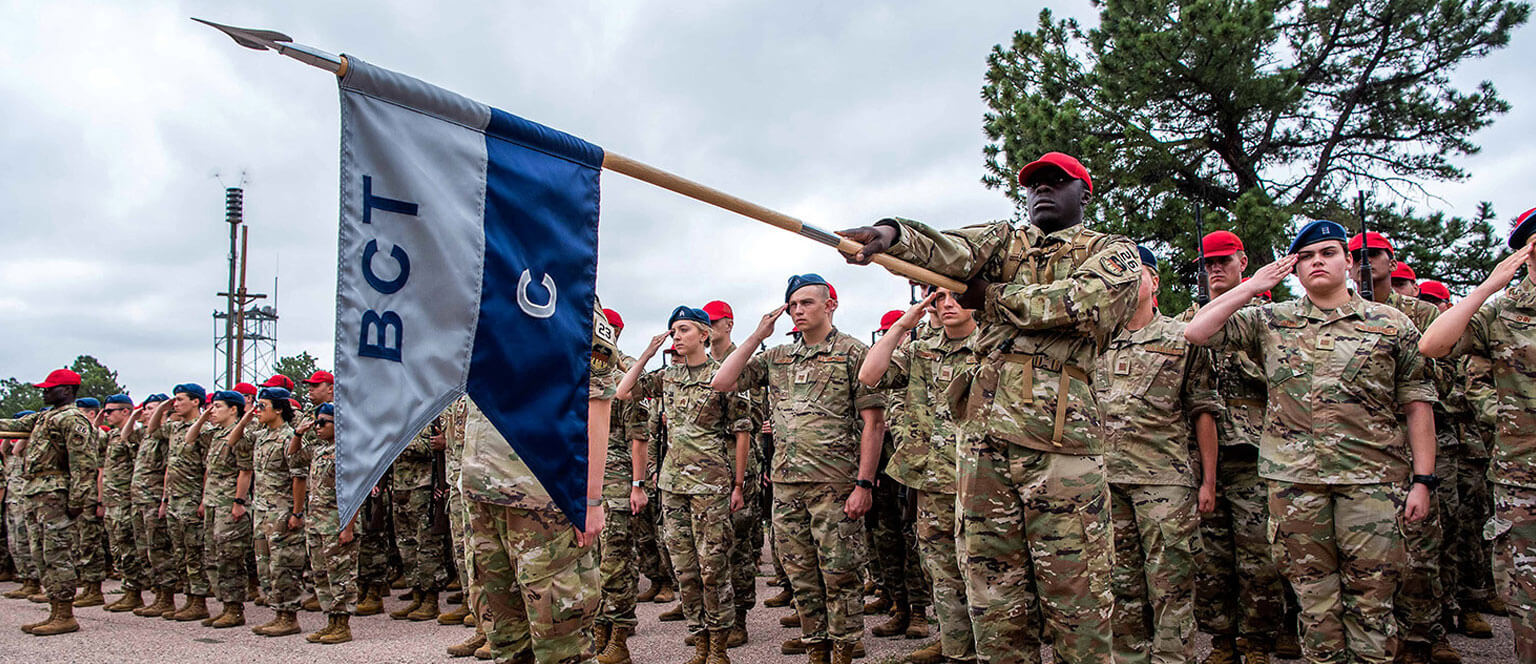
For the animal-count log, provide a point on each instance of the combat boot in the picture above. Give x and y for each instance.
(917, 627)
(1442, 652)
(471, 620)
(901, 618)
(453, 585)
(454, 617)
(932, 653)
(402, 614)
(372, 604)
(701, 649)
(53, 612)
(649, 594)
(38, 597)
(794, 646)
(780, 600)
(674, 615)
(1287, 646)
(879, 605)
(456, 598)
(196, 609)
(312, 604)
(484, 651)
(1223, 651)
(399, 582)
(330, 624)
(427, 609)
(717, 647)
(163, 601)
(62, 623)
(791, 620)
(234, 616)
(287, 623)
(1473, 625)
(91, 596)
(7, 575)
(468, 647)
(819, 653)
(616, 651)
(738, 634)
(600, 633)
(342, 633)
(27, 589)
(131, 599)
(843, 652)
(1495, 606)
(1254, 651)
(666, 594)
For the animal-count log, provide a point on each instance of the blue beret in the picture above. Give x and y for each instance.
(1318, 231)
(1148, 258)
(690, 314)
(120, 398)
(156, 398)
(230, 397)
(192, 390)
(24, 413)
(275, 394)
(88, 402)
(800, 281)
(327, 409)
(1524, 225)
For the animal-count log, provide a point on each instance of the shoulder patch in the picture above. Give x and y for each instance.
(1116, 264)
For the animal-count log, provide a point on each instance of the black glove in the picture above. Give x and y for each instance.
(975, 295)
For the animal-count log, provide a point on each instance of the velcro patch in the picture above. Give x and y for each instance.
(1166, 350)
(1385, 330)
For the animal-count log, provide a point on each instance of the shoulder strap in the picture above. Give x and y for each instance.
(1018, 248)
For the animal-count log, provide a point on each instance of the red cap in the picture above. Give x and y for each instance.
(831, 292)
(1067, 163)
(1373, 240)
(672, 349)
(279, 380)
(1404, 272)
(1435, 289)
(614, 318)
(890, 319)
(295, 403)
(59, 377)
(246, 389)
(320, 376)
(718, 310)
(1220, 243)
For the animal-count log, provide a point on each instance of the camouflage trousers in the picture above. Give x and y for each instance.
(458, 530)
(1475, 553)
(539, 589)
(1036, 533)
(334, 566)
(1341, 548)
(655, 564)
(620, 571)
(699, 537)
(1512, 530)
(121, 524)
(822, 551)
(1157, 538)
(936, 534)
(894, 547)
(90, 553)
(17, 539)
(152, 539)
(227, 544)
(1235, 554)
(53, 544)
(187, 535)
(375, 549)
(421, 552)
(1425, 592)
(279, 560)
(747, 523)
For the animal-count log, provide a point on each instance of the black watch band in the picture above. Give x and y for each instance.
(1431, 481)
(240, 501)
(864, 484)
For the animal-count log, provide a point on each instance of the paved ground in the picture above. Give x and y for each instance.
(119, 637)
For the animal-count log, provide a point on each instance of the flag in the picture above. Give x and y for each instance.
(467, 263)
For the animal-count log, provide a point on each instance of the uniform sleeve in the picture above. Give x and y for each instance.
(1474, 339)
(647, 387)
(1199, 394)
(634, 422)
(755, 374)
(1481, 396)
(244, 451)
(19, 424)
(80, 443)
(738, 411)
(896, 374)
(960, 254)
(1412, 378)
(298, 462)
(864, 398)
(1096, 299)
(1241, 332)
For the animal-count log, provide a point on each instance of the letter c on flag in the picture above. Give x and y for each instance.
(536, 310)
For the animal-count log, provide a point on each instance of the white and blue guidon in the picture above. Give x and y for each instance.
(468, 262)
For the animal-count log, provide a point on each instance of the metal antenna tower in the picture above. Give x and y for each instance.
(245, 335)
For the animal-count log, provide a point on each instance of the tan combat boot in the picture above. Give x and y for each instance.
(1223, 651)
(932, 653)
(62, 623)
(738, 635)
(666, 594)
(700, 649)
(717, 647)
(780, 600)
(468, 647)
(28, 587)
(600, 633)
(427, 609)
(196, 609)
(91, 597)
(454, 617)
(794, 646)
(617, 648)
(1254, 651)
(917, 626)
(234, 616)
(901, 618)
(879, 605)
(53, 612)
(1475, 626)
(330, 624)
(674, 615)
(342, 633)
(311, 604)
(649, 594)
(819, 653)
(287, 623)
(131, 599)
(372, 604)
(223, 611)
(163, 601)
(401, 614)
(791, 620)
(843, 652)
(484, 651)
(1442, 652)
(1495, 606)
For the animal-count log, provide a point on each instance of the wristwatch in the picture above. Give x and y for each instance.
(297, 515)
(240, 502)
(864, 484)
(1431, 481)
(594, 502)
(638, 484)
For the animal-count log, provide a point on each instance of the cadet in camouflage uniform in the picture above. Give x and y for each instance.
(1033, 499)
(655, 564)
(1157, 392)
(116, 485)
(16, 518)
(226, 514)
(90, 530)
(332, 546)
(1339, 370)
(1234, 539)
(616, 621)
(279, 534)
(828, 430)
(925, 456)
(152, 535)
(421, 552)
(458, 524)
(708, 442)
(539, 574)
(60, 472)
(1480, 433)
(182, 496)
(1503, 331)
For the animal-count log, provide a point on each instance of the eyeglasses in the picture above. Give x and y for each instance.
(325, 423)
(117, 410)
(259, 406)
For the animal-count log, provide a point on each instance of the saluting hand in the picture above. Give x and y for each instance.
(1269, 276)
(656, 343)
(765, 326)
(1505, 271)
(914, 315)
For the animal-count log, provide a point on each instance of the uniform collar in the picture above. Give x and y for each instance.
(1067, 234)
(948, 345)
(803, 349)
(1151, 331)
(1354, 306)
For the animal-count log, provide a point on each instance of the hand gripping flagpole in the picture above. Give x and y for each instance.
(262, 40)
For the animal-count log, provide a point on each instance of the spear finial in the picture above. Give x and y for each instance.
(262, 40)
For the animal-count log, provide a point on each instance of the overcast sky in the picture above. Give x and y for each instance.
(117, 116)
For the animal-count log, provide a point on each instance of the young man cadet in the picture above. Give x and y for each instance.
(1339, 369)
(1504, 331)
(116, 483)
(925, 458)
(624, 496)
(1156, 391)
(90, 528)
(182, 495)
(60, 473)
(1235, 552)
(152, 535)
(1049, 297)
(708, 442)
(828, 430)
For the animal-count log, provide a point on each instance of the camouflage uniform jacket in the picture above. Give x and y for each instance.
(492, 472)
(226, 460)
(1151, 383)
(627, 423)
(1337, 380)
(60, 454)
(321, 510)
(453, 453)
(922, 371)
(1504, 331)
(413, 468)
(148, 485)
(757, 400)
(816, 397)
(305, 456)
(1241, 383)
(1071, 291)
(272, 480)
(701, 427)
(184, 464)
(1482, 405)
(117, 471)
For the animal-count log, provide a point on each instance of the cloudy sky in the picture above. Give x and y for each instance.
(122, 123)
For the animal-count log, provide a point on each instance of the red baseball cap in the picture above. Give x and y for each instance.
(320, 376)
(1220, 243)
(1521, 231)
(890, 319)
(279, 380)
(1065, 162)
(718, 310)
(614, 318)
(1373, 240)
(1404, 272)
(295, 403)
(59, 377)
(246, 389)
(1435, 289)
